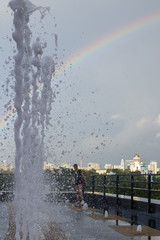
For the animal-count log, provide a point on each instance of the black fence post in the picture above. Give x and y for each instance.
(149, 193)
(104, 187)
(132, 190)
(93, 189)
(117, 189)
(93, 185)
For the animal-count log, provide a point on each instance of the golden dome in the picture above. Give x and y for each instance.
(136, 155)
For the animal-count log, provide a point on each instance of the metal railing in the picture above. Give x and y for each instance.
(131, 186)
(140, 186)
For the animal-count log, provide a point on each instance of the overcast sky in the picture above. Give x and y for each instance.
(107, 104)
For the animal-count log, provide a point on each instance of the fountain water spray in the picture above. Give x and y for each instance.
(106, 214)
(33, 107)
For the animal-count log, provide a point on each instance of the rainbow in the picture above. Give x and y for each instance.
(92, 48)
(107, 40)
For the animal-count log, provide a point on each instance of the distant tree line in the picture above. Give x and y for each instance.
(60, 180)
(7, 181)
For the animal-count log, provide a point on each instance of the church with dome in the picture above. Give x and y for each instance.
(136, 163)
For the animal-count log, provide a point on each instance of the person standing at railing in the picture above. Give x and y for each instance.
(78, 178)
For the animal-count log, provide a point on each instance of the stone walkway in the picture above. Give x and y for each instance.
(3, 220)
(77, 225)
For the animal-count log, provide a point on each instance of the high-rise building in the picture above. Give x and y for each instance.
(12, 167)
(49, 166)
(5, 168)
(116, 166)
(108, 166)
(153, 167)
(122, 164)
(93, 166)
(127, 164)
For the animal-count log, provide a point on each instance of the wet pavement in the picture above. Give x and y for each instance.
(78, 226)
(3, 220)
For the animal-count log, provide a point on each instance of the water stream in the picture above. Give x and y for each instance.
(33, 99)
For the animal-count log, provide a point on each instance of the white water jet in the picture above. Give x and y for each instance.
(139, 228)
(85, 206)
(106, 214)
(33, 107)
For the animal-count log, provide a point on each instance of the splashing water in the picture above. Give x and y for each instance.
(33, 114)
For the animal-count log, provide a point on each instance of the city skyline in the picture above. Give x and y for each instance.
(107, 88)
(134, 164)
